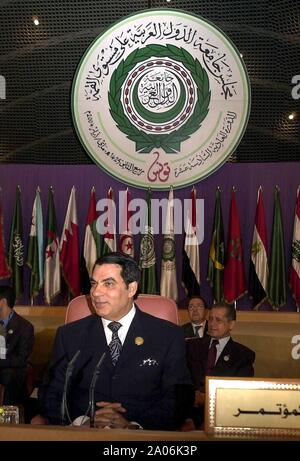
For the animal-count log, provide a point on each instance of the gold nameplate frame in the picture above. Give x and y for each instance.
(252, 407)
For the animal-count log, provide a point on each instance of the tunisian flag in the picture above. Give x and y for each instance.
(234, 272)
(294, 278)
(69, 247)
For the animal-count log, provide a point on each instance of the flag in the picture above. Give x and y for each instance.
(215, 269)
(147, 255)
(234, 272)
(69, 247)
(5, 271)
(294, 278)
(258, 269)
(91, 245)
(190, 257)
(52, 266)
(16, 247)
(277, 276)
(168, 280)
(35, 255)
(109, 238)
(126, 243)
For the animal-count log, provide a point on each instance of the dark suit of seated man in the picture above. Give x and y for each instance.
(143, 381)
(217, 355)
(17, 336)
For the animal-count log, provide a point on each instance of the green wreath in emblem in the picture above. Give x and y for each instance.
(170, 142)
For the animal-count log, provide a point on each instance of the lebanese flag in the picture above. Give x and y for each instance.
(258, 269)
(5, 271)
(294, 279)
(234, 272)
(69, 247)
(126, 244)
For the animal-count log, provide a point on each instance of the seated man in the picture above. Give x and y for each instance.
(143, 380)
(217, 355)
(17, 335)
(197, 327)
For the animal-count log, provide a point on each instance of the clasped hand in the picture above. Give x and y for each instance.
(110, 415)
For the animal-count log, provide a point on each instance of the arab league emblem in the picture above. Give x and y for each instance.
(161, 98)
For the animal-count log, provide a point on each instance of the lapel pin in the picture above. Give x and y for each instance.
(226, 358)
(10, 332)
(139, 341)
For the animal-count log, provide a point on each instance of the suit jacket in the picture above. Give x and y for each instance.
(146, 379)
(235, 360)
(189, 330)
(19, 345)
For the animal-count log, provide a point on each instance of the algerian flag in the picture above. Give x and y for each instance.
(35, 255)
(52, 266)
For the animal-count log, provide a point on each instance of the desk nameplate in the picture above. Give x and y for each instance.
(252, 407)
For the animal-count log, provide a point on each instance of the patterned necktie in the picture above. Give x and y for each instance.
(211, 357)
(197, 330)
(115, 345)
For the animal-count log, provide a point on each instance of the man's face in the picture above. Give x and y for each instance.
(197, 311)
(218, 324)
(111, 298)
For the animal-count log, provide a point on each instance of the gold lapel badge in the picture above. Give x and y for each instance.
(139, 341)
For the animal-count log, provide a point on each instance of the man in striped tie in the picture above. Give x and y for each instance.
(197, 326)
(144, 369)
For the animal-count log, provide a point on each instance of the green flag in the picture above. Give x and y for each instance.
(16, 247)
(35, 257)
(277, 275)
(215, 269)
(147, 255)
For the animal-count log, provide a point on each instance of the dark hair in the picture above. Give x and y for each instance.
(229, 308)
(130, 270)
(198, 297)
(8, 293)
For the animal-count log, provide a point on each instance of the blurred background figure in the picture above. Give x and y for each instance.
(197, 327)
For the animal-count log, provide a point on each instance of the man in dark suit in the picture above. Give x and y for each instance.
(144, 370)
(17, 337)
(217, 355)
(197, 327)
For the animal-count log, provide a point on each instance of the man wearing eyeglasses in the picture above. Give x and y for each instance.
(197, 310)
(217, 354)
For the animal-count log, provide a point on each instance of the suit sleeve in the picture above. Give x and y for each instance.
(51, 390)
(21, 347)
(246, 370)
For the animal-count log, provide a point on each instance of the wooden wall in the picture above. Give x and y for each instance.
(274, 336)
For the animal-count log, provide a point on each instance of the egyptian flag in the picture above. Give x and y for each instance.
(190, 257)
(258, 269)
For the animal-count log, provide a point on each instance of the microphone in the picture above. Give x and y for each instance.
(69, 372)
(92, 390)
